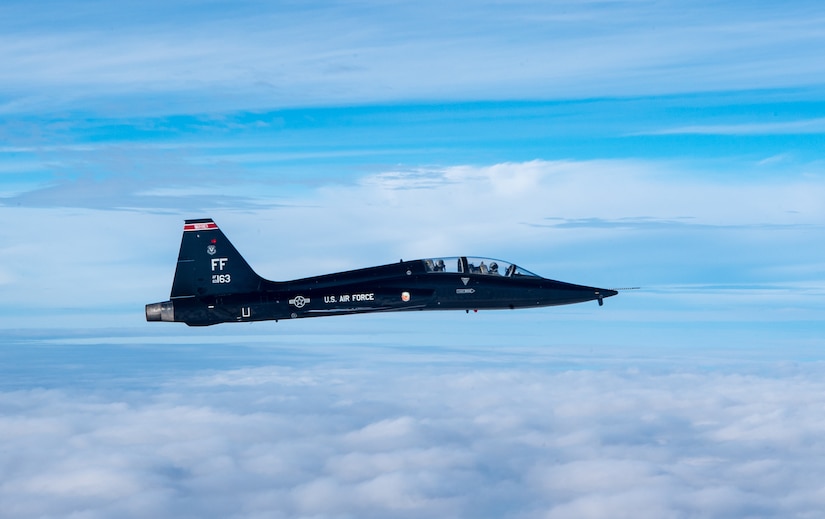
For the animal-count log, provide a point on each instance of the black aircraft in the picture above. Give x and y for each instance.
(214, 284)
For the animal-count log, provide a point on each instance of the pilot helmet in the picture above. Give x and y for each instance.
(494, 266)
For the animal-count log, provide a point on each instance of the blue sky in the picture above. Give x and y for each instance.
(656, 144)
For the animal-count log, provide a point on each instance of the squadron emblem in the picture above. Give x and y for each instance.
(211, 250)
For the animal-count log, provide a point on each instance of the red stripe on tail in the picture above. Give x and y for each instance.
(200, 226)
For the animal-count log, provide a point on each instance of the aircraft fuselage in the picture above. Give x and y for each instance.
(213, 284)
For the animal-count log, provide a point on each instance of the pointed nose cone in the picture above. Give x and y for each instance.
(602, 293)
(566, 293)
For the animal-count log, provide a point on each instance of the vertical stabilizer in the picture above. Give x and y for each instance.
(209, 265)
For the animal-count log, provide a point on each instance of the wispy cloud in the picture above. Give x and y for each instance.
(652, 223)
(191, 58)
(535, 193)
(801, 127)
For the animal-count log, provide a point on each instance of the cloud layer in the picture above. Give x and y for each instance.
(389, 432)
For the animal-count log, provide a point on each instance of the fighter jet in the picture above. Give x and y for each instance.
(214, 284)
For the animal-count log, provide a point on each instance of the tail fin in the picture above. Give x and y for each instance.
(209, 265)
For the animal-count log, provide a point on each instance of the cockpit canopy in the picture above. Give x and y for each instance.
(468, 265)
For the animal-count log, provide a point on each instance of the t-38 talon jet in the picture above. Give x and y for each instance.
(214, 284)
